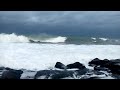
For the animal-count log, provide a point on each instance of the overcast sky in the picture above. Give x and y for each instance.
(59, 21)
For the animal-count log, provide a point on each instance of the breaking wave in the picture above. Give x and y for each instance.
(13, 38)
(45, 38)
(104, 39)
(55, 40)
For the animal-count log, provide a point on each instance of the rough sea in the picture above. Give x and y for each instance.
(42, 51)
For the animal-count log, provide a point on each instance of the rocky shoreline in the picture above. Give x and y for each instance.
(102, 69)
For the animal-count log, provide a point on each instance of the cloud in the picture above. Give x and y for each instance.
(88, 19)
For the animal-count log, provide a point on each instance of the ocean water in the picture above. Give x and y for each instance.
(39, 52)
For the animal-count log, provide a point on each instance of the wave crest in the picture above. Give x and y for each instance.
(13, 38)
(104, 39)
(58, 39)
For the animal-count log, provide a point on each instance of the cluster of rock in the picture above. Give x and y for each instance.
(102, 69)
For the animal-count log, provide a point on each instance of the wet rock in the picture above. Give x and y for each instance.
(32, 41)
(94, 72)
(38, 42)
(97, 62)
(7, 68)
(94, 77)
(53, 74)
(116, 76)
(90, 77)
(45, 73)
(60, 65)
(115, 61)
(2, 68)
(76, 65)
(114, 67)
(81, 72)
(99, 68)
(11, 74)
(62, 74)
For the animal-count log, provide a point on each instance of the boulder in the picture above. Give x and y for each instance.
(45, 73)
(62, 74)
(114, 67)
(81, 71)
(60, 65)
(32, 41)
(75, 65)
(7, 68)
(53, 74)
(99, 68)
(115, 61)
(11, 74)
(2, 68)
(116, 76)
(97, 62)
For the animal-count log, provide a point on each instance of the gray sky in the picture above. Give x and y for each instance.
(66, 21)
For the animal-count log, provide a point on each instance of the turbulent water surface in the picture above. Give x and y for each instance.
(17, 51)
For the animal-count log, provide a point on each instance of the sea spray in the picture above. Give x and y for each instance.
(13, 38)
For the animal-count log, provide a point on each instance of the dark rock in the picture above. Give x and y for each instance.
(96, 62)
(46, 73)
(53, 74)
(7, 68)
(38, 41)
(75, 65)
(98, 73)
(60, 65)
(116, 76)
(94, 77)
(115, 61)
(2, 68)
(90, 77)
(11, 74)
(99, 68)
(81, 72)
(94, 72)
(112, 66)
(62, 74)
(32, 41)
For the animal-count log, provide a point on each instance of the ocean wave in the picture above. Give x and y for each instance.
(46, 38)
(104, 39)
(13, 38)
(55, 40)
(93, 38)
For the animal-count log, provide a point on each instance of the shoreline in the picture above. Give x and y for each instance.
(102, 69)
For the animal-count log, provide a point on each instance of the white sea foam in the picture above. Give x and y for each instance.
(104, 39)
(55, 40)
(93, 38)
(42, 56)
(13, 38)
